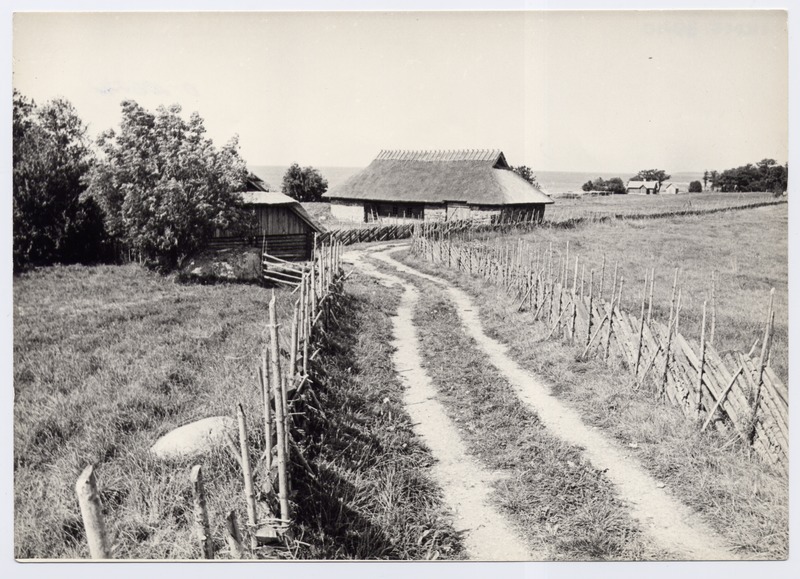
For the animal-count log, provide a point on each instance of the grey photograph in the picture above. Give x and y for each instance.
(505, 286)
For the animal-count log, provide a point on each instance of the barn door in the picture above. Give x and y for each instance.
(457, 211)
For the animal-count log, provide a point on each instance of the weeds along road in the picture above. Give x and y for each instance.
(671, 526)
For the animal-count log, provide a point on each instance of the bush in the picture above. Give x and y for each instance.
(695, 187)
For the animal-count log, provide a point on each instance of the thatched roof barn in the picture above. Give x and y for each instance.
(437, 186)
(283, 226)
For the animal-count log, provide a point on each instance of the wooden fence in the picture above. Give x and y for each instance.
(733, 392)
(285, 384)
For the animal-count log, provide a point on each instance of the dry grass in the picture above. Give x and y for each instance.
(563, 506)
(106, 359)
(374, 499)
(748, 250)
(598, 206)
(745, 500)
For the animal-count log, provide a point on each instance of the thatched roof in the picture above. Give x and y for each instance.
(276, 199)
(476, 177)
(645, 184)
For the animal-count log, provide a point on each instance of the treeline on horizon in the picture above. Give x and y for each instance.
(158, 187)
(765, 176)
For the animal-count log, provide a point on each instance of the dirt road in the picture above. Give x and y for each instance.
(669, 523)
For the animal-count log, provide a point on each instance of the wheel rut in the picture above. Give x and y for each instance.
(668, 522)
(465, 483)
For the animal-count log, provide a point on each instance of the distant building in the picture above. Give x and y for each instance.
(476, 185)
(282, 226)
(669, 189)
(642, 187)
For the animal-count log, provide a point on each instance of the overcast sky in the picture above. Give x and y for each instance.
(576, 91)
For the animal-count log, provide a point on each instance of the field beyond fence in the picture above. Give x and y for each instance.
(735, 392)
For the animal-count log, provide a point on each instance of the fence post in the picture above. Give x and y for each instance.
(641, 329)
(201, 525)
(589, 317)
(702, 362)
(249, 494)
(280, 422)
(92, 514)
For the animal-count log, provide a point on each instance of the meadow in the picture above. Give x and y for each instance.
(109, 358)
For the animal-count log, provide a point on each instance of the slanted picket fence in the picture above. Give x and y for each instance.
(730, 391)
(286, 388)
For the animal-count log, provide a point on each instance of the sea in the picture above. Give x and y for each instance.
(552, 182)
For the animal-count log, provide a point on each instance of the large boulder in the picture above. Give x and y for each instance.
(195, 438)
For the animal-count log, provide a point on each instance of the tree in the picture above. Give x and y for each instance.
(611, 186)
(705, 180)
(526, 173)
(51, 158)
(766, 175)
(695, 187)
(652, 175)
(163, 187)
(304, 183)
(714, 179)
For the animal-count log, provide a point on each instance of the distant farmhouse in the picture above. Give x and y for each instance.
(642, 187)
(472, 185)
(669, 189)
(282, 225)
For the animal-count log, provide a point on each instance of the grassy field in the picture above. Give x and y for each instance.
(106, 359)
(590, 206)
(747, 249)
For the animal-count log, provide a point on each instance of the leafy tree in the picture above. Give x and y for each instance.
(51, 157)
(652, 175)
(705, 180)
(304, 183)
(162, 185)
(695, 187)
(714, 179)
(526, 173)
(610, 186)
(766, 175)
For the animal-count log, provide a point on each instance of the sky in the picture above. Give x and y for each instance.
(560, 91)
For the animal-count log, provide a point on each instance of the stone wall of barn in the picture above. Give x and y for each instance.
(436, 213)
(347, 210)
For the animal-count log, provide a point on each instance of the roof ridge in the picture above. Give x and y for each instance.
(439, 155)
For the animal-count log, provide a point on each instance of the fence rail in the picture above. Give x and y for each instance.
(731, 391)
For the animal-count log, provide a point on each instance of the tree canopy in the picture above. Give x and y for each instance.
(610, 186)
(526, 173)
(304, 183)
(652, 175)
(766, 175)
(695, 187)
(162, 185)
(51, 157)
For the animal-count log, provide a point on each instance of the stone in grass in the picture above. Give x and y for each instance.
(195, 438)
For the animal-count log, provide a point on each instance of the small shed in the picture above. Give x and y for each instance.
(642, 187)
(669, 189)
(283, 227)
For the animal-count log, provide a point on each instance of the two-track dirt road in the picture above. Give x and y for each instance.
(466, 484)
